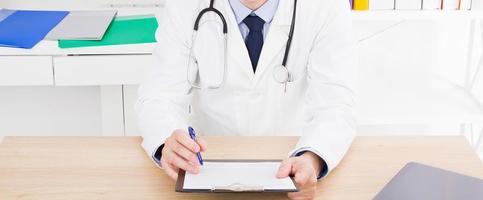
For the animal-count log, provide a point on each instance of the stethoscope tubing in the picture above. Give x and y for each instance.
(288, 77)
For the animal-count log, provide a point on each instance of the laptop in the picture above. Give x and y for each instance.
(421, 182)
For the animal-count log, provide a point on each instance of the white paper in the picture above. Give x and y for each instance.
(259, 174)
(432, 4)
(82, 25)
(465, 5)
(409, 4)
(381, 5)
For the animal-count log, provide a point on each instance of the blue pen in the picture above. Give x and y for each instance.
(193, 136)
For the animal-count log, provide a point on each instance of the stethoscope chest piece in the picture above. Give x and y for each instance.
(282, 75)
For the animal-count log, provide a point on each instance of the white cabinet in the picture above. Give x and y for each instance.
(26, 70)
(51, 111)
(102, 69)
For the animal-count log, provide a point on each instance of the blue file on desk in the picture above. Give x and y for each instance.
(24, 29)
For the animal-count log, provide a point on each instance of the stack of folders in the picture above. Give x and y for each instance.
(74, 29)
(26, 28)
(411, 4)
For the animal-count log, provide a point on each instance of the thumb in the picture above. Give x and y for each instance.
(285, 168)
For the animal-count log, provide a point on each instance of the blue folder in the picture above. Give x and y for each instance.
(24, 29)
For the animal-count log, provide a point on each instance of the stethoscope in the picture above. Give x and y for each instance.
(281, 74)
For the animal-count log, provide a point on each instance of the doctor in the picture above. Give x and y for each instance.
(253, 67)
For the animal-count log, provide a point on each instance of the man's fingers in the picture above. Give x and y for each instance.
(299, 196)
(294, 195)
(202, 143)
(285, 168)
(302, 176)
(186, 141)
(185, 154)
(168, 169)
(181, 163)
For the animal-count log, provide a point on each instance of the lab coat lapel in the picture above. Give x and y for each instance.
(237, 50)
(275, 41)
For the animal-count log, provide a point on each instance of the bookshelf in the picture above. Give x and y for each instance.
(397, 15)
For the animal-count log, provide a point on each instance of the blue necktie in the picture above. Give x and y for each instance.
(254, 40)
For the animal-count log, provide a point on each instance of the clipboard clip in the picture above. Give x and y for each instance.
(237, 187)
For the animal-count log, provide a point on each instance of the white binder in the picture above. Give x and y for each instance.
(432, 4)
(451, 4)
(409, 4)
(466, 4)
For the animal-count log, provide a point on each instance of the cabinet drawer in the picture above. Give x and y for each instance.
(102, 70)
(26, 70)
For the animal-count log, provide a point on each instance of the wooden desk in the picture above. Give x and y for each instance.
(118, 168)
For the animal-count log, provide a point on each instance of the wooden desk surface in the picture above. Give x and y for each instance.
(117, 168)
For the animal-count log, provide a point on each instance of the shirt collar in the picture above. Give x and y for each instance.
(266, 12)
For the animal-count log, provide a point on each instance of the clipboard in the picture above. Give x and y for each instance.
(234, 187)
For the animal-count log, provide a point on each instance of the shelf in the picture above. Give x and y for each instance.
(398, 15)
(49, 48)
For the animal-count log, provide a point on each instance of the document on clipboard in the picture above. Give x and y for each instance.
(235, 176)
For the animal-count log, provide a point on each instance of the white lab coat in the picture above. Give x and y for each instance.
(318, 105)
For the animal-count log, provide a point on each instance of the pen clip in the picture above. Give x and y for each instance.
(237, 187)
(192, 133)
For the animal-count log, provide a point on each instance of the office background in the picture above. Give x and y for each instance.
(414, 70)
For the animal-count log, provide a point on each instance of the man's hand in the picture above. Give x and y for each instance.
(305, 169)
(179, 152)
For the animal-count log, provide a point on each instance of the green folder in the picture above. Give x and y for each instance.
(123, 30)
